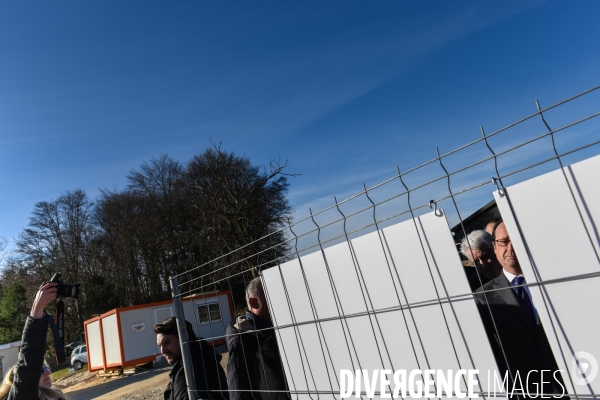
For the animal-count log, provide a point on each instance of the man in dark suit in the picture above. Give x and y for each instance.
(514, 330)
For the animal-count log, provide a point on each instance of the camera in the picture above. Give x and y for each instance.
(65, 289)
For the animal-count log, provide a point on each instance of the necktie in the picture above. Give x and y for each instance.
(523, 297)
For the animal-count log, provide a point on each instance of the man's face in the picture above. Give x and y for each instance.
(486, 262)
(169, 347)
(257, 303)
(504, 250)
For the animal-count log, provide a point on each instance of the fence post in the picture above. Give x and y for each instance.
(183, 339)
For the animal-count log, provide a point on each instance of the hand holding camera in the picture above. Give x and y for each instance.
(45, 295)
(65, 289)
(49, 291)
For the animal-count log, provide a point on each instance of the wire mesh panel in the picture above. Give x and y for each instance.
(399, 304)
(375, 283)
(552, 219)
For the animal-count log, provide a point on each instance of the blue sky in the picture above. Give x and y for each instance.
(344, 91)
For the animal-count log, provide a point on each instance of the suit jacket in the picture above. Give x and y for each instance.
(524, 341)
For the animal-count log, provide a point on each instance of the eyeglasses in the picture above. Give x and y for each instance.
(45, 369)
(503, 242)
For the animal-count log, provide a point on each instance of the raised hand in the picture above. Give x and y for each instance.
(45, 295)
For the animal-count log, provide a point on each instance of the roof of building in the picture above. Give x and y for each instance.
(9, 345)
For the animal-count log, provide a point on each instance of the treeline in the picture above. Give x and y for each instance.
(123, 246)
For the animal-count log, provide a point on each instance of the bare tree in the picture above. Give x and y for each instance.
(142, 229)
(170, 219)
(236, 203)
(59, 238)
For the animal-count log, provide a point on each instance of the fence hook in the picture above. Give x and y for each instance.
(433, 204)
(495, 182)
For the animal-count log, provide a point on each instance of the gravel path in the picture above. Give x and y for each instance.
(150, 394)
(147, 385)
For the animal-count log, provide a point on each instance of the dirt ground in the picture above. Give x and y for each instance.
(146, 384)
(88, 385)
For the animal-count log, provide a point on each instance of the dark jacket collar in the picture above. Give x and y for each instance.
(176, 367)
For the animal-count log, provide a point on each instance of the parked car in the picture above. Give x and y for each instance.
(72, 346)
(79, 357)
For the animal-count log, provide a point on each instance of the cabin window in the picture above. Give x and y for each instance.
(209, 312)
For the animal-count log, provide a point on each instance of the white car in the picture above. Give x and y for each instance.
(79, 357)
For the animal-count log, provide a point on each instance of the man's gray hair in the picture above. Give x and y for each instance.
(476, 240)
(254, 287)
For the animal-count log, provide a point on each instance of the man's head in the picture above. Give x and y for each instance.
(489, 227)
(477, 247)
(504, 249)
(256, 300)
(167, 339)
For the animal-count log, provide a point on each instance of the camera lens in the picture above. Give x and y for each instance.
(74, 290)
(66, 290)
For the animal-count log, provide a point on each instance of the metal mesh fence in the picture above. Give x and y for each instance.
(460, 182)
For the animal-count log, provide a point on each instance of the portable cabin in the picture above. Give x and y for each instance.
(9, 352)
(125, 336)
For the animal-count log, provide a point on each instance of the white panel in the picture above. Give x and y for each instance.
(297, 293)
(558, 241)
(321, 287)
(406, 263)
(112, 344)
(345, 275)
(290, 351)
(275, 292)
(551, 223)
(409, 260)
(416, 267)
(369, 351)
(442, 256)
(578, 332)
(583, 178)
(94, 345)
(376, 272)
(138, 343)
(162, 314)
(434, 337)
(401, 342)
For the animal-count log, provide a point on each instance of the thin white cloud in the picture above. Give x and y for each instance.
(320, 80)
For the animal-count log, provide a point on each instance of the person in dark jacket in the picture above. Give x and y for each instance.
(514, 330)
(209, 375)
(254, 370)
(30, 378)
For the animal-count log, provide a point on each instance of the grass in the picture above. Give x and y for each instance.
(61, 373)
